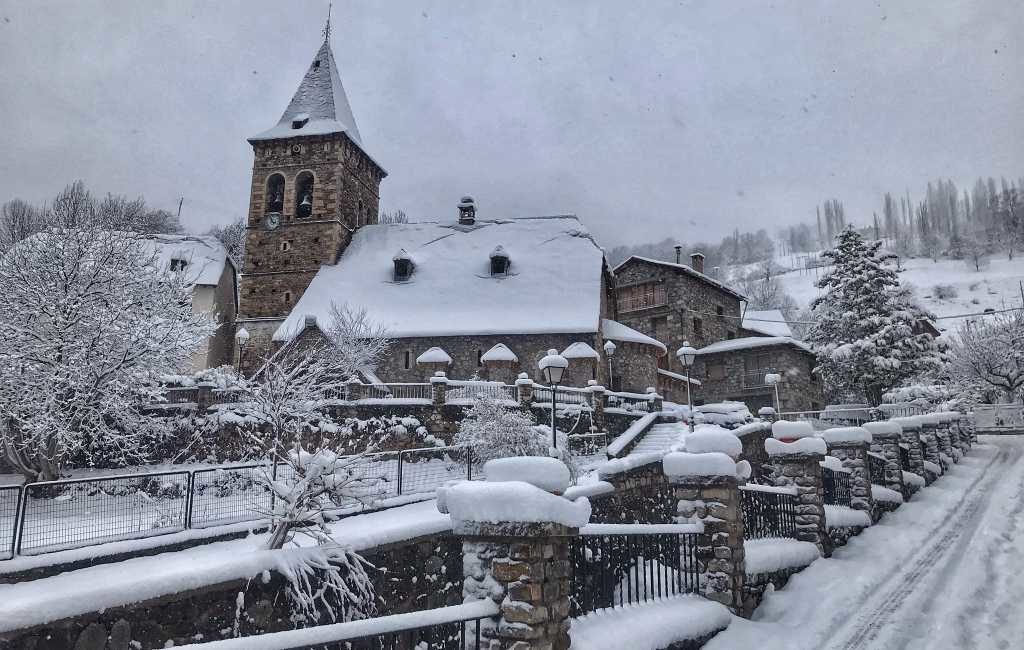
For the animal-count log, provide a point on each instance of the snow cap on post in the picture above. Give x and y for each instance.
(709, 438)
(549, 474)
(910, 423)
(846, 435)
(787, 431)
(884, 428)
(680, 464)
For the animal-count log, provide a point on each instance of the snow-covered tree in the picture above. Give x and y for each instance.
(88, 321)
(863, 335)
(232, 237)
(18, 220)
(494, 430)
(990, 354)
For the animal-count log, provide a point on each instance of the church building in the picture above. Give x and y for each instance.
(472, 294)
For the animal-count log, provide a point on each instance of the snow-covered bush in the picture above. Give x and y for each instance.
(494, 430)
(88, 321)
(944, 292)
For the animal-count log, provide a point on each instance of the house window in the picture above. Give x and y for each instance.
(287, 297)
(641, 296)
(178, 264)
(698, 327)
(286, 246)
(304, 195)
(755, 367)
(720, 310)
(715, 370)
(479, 358)
(275, 193)
(407, 359)
(730, 334)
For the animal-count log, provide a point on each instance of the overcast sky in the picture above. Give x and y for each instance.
(647, 119)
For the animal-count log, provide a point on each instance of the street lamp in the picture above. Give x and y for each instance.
(773, 379)
(609, 351)
(686, 355)
(242, 337)
(553, 366)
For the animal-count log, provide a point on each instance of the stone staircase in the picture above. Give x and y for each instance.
(660, 438)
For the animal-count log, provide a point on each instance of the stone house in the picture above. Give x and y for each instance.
(734, 370)
(493, 295)
(206, 266)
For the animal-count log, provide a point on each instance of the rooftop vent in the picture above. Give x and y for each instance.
(499, 261)
(300, 120)
(403, 266)
(467, 211)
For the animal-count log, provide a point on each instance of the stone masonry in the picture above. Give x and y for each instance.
(888, 444)
(800, 390)
(524, 568)
(803, 471)
(715, 501)
(911, 439)
(854, 456)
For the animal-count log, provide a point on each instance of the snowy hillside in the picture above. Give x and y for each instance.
(995, 287)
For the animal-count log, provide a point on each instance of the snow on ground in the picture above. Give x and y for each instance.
(774, 554)
(995, 287)
(648, 626)
(943, 571)
(120, 583)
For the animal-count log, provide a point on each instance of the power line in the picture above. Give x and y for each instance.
(811, 322)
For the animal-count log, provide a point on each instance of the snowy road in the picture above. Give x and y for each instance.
(944, 571)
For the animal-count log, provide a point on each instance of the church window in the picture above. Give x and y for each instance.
(178, 264)
(499, 261)
(275, 193)
(719, 310)
(304, 194)
(403, 266)
(407, 359)
(479, 358)
(287, 297)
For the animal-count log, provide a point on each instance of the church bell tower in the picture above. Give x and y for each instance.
(313, 186)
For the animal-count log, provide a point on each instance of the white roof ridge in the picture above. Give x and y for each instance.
(684, 267)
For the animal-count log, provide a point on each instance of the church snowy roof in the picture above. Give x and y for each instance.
(200, 258)
(319, 106)
(553, 283)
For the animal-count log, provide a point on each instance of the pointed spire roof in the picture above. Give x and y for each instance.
(319, 106)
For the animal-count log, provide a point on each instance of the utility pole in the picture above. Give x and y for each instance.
(180, 201)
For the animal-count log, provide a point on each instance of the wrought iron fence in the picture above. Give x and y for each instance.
(613, 565)
(423, 470)
(470, 390)
(588, 444)
(755, 378)
(876, 468)
(398, 391)
(630, 401)
(181, 395)
(542, 395)
(837, 487)
(227, 495)
(821, 420)
(768, 512)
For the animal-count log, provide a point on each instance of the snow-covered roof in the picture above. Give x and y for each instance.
(580, 350)
(678, 377)
(500, 352)
(769, 322)
(434, 355)
(319, 106)
(616, 331)
(552, 286)
(749, 342)
(688, 270)
(204, 256)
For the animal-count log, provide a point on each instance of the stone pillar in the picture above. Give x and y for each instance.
(910, 435)
(931, 444)
(854, 456)
(598, 399)
(438, 389)
(712, 499)
(524, 568)
(204, 397)
(657, 401)
(965, 430)
(524, 386)
(885, 441)
(354, 388)
(798, 464)
(767, 413)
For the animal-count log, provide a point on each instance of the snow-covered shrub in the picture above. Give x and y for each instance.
(944, 292)
(494, 430)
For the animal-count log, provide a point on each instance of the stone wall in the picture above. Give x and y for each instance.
(803, 471)
(799, 390)
(854, 457)
(642, 495)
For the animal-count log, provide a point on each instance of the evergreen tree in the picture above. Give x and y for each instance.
(863, 335)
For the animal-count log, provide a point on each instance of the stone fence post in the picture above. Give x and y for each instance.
(964, 429)
(438, 389)
(944, 436)
(929, 428)
(354, 388)
(910, 435)
(523, 566)
(598, 401)
(767, 413)
(885, 441)
(657, 401)
(796, 455)
(204, 397)
(850, 445)
(524, 388)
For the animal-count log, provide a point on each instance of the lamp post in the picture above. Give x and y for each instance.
(552, 366)
(609, 351)
(242, 337)
(686, 355)
(772, 379)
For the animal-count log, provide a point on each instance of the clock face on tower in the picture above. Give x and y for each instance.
(271, 221)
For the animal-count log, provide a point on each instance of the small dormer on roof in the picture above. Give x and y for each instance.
(467, 211)
(434, 355)
(500, 261)
(403, 265)
(580, 350)
(500, 352)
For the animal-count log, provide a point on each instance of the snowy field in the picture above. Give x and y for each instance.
(996, 287)
(943, 571)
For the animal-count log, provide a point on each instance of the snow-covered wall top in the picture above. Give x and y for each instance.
(888, 427)
(845, 435)
(769, 322)
(750, 342)
(553, 284)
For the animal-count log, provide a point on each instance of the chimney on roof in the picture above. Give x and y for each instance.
(309, 321)
(679, 254)
(467, 211)
(697, 261)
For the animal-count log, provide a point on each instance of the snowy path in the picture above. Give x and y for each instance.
(944, 571)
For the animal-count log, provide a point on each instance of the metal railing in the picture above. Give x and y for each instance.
(755, 378)
(610, 569)
(574, 396)
(398, 391)
(630, 401)
(768, 512)
(876, 468)
(837, 487)
(181, 395)
(827, 419)
(588, 444)
(470, 390)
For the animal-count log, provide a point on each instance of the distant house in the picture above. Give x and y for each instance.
(205, 264)
(767, 322)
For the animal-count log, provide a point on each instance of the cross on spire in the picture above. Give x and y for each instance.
(327, 27)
